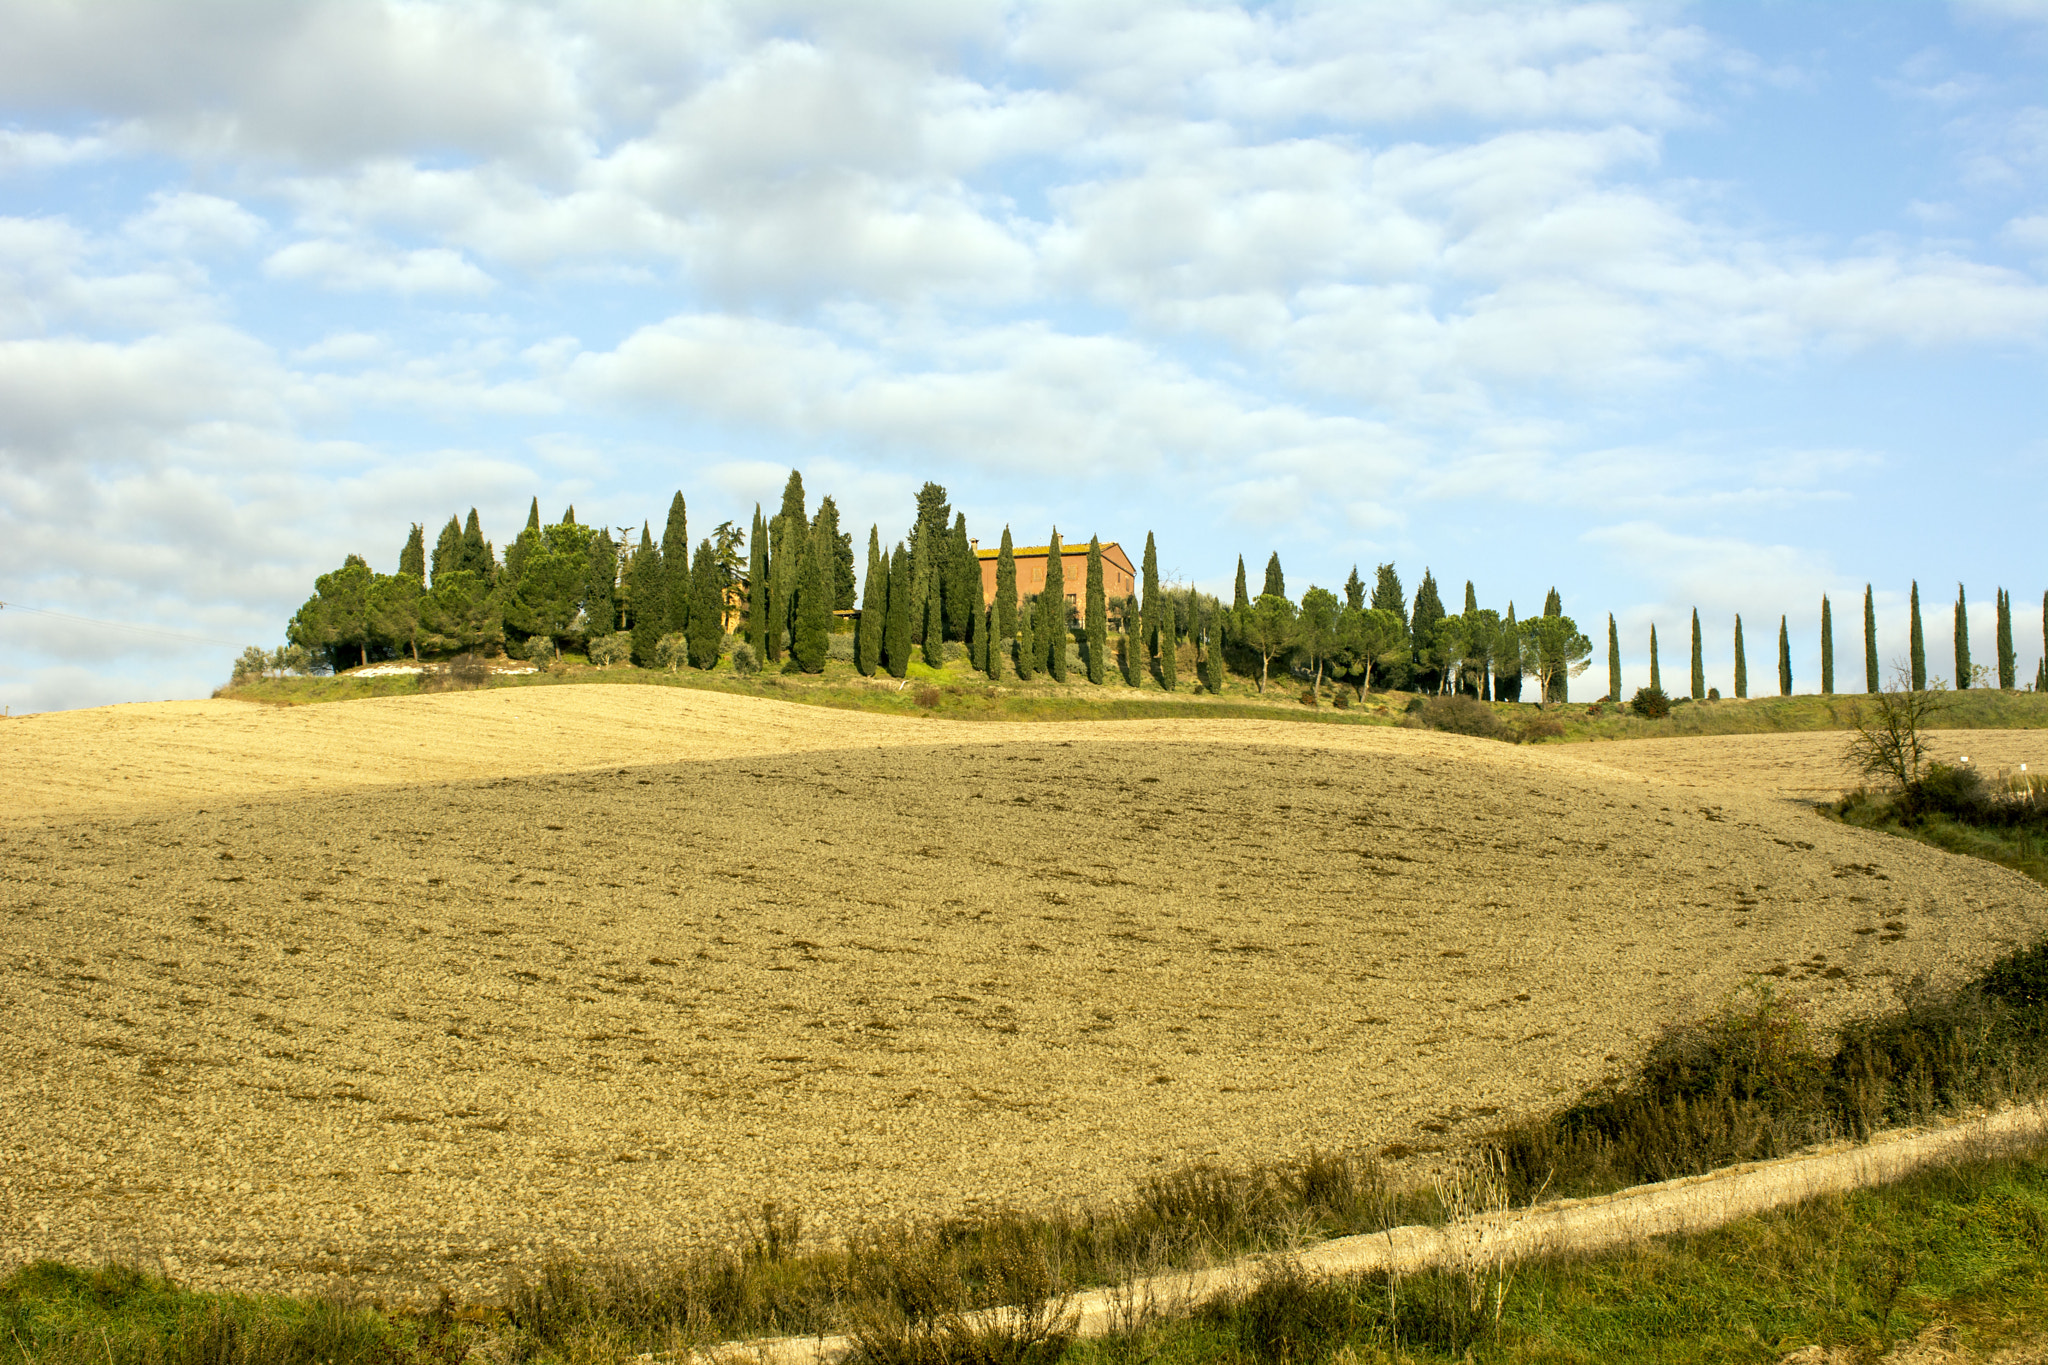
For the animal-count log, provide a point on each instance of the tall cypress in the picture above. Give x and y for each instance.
(811, 639)
(1212, 653)
(601, 586)
(991, 646)
(1054, 600)
(977, 637)
(789, 535)
(1354, 591)
(1238, 600)
(1098, 613)
(675, 563)
(1507, 675)
(1962, 639)
(1560, 685)
(963, 582)
(412, 560)
(1006, 593)
(874, 596)
(706, 633)
(933, 635)
(1870, 640)
(1656, 677)
(1169, 648)
(1741, 661)
(1613, 661)
(1917, 644)
(2008, 665)
(1699, 663)
(448, 549)
(927, 552)
(646, 590)
(757, 587)
(476, 551)
(1784, 659)
(1387, 592)
(1276, 582)
(1827, 648)
(1029, 664)
(1429, 609)
(843, 583)
(896, 632)
(1471, 599)
(1148, 629)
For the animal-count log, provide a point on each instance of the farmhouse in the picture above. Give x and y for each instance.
(1119, 579)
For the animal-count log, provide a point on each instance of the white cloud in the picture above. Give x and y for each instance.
(358, 266)
(35, 150)
(182, 222)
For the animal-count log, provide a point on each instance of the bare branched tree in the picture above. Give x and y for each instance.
(1889, 739)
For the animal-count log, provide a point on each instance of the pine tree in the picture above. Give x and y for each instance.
(1784, 659)
(1429, 609)
(448, 549)
(675, 563)
(1098, 614)
(1354, 591)
(1699, 664)
(1741, 660)
(412, 560)
(1613, 661)
(476, 551)
(874, 597)
(1276, 582)
(811, 639)
(1148, 618)
(757, 587)
(1006, 593)
(896, 631)
(1869, 641)
(1239, 601)
(1917, 644)
(1962, 640)
(648, 589)
(2008, 666)
(706, 635)
(1827, 648)
(1054, 600)
(1656, 677)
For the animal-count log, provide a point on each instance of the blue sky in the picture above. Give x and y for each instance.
(1668, 306)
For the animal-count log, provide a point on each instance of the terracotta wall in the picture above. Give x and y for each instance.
(1117, 578)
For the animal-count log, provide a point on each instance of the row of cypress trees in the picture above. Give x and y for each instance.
(1967, 673)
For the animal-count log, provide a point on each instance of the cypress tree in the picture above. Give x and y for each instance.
(1560, 686)
(1869, 641)
(757, 588)
(601, 587)
(1429, 609)
(934, 633)
(1148, 628)
(992, 646)
(927, 552)
(1276, 582)
(1471, 599)
(448, 549)
(476, 551)
(1741, 661)
(1613, 661)
(675, 563)
(533, 515)
(569, 515)
(1917, 644)
(1028, 660)
(1388, 594)
(977, 638)
(706, 633)
(412, 560)
(1133, 666)
(843, 582)
(1784, 659)
(811, 640)
(521, 546)
(874, 598)
(1212, 653)
(1098, 613)
(644, 582)
(1656, 678)
(1006, 593)
(1239, 601)
(1054, 600)
(789, 535)
(1827, 648)
(1169, 649)
(1354, 591)
(2008, 666)
(963, 582)
(1962, 640)
(1699, 665)
(1507, 678)
(896, 631)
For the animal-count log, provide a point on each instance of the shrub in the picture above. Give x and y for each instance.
(744, 661)
(1342, 701)
(540, 652)
(1954, 789)
(1308, 697)
(606, 650)
(672, 651)
(841, 647)
(1459, 716)
(1536, 729)
(254, 663)
(1713, 694)
(1651, 703)
(295, 659)
(928, 697)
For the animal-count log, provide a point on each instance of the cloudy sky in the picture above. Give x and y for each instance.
(1668, 306)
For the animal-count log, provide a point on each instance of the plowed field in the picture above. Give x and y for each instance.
(412, 990)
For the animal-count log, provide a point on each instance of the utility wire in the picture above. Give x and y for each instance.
(120, 625)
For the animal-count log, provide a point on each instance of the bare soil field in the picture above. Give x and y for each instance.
(604, 972)
(1806, 766)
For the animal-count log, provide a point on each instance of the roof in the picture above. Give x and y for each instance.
(1045, 551)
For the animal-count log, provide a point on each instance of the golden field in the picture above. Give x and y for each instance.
(412, 990)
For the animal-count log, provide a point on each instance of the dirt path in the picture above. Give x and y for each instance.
(1692, 1204)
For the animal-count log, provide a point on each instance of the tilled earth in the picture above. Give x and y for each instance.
(419, 1036)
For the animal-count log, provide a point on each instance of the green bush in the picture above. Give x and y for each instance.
(1459, 716)
(1651, 703)
(743, 661)
(606, 650)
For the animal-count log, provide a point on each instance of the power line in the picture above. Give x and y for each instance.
(120, 625)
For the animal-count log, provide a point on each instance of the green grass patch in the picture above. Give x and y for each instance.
(1976, 709)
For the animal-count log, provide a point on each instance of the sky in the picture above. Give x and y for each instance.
(1670, 307)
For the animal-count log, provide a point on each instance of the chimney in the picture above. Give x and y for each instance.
(973, 544)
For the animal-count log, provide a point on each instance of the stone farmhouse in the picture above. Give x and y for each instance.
(1119, 579)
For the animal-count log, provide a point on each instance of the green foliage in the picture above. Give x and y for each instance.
(1459, 715)
(335, 622)
(1741, 660)
(933, 635)
(1268, 629)
(546, 596)
(1006, 593)
(1239, 599)
(1553, 648)
(395, 612)
(811, 640)
(1656, 676)
(1699, 666)
(676, 586)
(962, 582)
(1784, 660)
(1422, 623)
(745, 661)
(460, 613)
(1276, 582)
(1148, 630)
(1354, 590)
(874, 607)
(1613, 661)
(1650, 703)
(706, 632)
(412, 560)
(1029, 661)
(838, 551)
(1053, 608)
(608, 650)
(1827, 647)
(896, 627)
(1315, 630)
(977, 639)
(1507, 667)
(448, 549)
(1964, 673)
(2008, 663)
(757, 586)
(647, 591)
(1917, 646)
(992, 646)
(1097, 615)
(540, 651)
(672, 651)
(601, 587)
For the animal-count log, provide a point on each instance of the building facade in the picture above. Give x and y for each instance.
(1119, 579)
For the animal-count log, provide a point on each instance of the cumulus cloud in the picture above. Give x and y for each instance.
(182, 222)
(360, 266)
